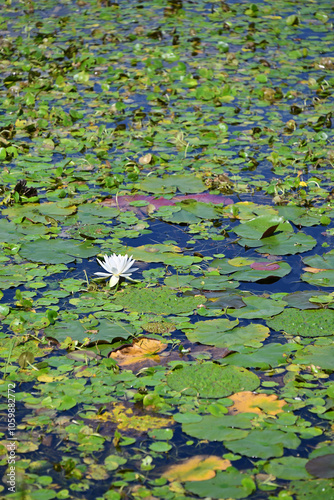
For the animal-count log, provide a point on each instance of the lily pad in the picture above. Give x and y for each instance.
(40, 212)
(169, 254)
(306, 323)
(320, 356)
(300, 300)
(156, 300)
(57, 251)
(322, 489)
(126, 419)
(185, 183)
(257, 307)
(143, 352)
(220, 428)
(210, 380)
(210, 332)
(221, 333)
(269, 356)
(322, 467)
(264, 443)
(197, 468)
(321, 278)
(248, 402)
(325, 261)
(226, 484)
(285, 244)
(262, 270)
(261, 227)
(319, 270)
(288, 468)
(213, 283)
(106, 331)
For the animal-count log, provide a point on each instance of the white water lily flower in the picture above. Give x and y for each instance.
(117, 266)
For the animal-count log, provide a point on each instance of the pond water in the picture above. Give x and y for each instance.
(196, 137)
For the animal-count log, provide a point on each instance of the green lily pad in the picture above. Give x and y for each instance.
(261, 227)
(61, 330)
(321, 356)
(322, 489)
(210, 332)
(57, 251)
(213, 283)
(300, 300)
(8, 231)
(288, 468)
(199, 209)
(210, 380)
(39, 212)
(226, 484)
(299, 216)
(251, 274)
(112, 462)
(264, 443)
(251, 269)
(178, 216)
(325, 261)
(257, 307)
(160, 300)
(11, 276)
(324, 264)
(185, 183)
(168, 254)
(221, 333)
(306, 323)
(30, 347)
(285, 244)
(106, 331)
(222, 428)
(322, 278)
(94, 214)
(269, 356)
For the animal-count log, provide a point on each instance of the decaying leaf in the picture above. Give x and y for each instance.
(313, 270)
(248, 402)
(143, 351)
(198, 468)
(126, 419)
(146, 159)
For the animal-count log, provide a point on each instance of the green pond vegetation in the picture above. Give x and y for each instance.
(196, 137)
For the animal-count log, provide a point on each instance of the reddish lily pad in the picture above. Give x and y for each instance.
(322, 467)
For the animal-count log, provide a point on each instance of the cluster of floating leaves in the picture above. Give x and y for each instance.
(197, 138)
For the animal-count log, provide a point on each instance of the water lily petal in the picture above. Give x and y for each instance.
(113, 281)
(106, 275)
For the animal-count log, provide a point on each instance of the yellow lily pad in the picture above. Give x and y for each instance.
(248, 402)
(240, 261)
(142, 351)
(126, 419)
(197, 468)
